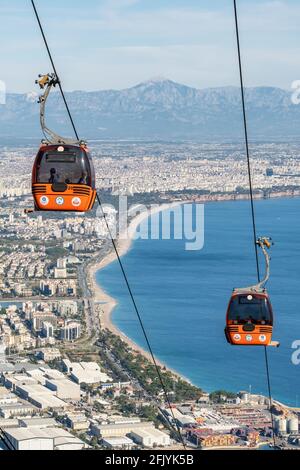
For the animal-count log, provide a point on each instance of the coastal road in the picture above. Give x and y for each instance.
(91, 319)
(91, 315)
(123, 371)
(40, 298)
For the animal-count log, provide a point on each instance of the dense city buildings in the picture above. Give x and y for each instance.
(66, 382)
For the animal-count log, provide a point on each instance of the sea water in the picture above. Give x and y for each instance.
(183, 296)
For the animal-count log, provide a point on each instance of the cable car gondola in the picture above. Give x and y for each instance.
(249, 318)
(63, 179)
(63, 176)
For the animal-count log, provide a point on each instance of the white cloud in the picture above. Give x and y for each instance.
(126, 66)
(113, 44)
(120, 4)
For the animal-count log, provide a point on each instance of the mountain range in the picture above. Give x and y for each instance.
(158, 110)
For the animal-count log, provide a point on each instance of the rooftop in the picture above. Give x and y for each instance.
(38, 422)
(60, 436)
(118, 441)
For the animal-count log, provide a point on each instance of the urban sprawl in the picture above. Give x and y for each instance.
(68, 383)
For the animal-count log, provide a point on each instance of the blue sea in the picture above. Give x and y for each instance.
(183, 295)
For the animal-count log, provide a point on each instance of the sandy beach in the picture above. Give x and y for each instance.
(108, 303)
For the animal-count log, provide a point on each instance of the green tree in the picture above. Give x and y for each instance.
(219, 396)
(55, 252)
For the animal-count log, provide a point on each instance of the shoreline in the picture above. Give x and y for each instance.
(124, 244)
(108, 303)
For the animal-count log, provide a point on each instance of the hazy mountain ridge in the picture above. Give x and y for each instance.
(159, 109)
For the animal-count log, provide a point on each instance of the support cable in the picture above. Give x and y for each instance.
(4, 437)
(136, 309)
(54, 69)
(175, 427)
(251, 195)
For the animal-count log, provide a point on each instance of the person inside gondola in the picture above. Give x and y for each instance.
(54, 177)
(84, 178)
(255, 311)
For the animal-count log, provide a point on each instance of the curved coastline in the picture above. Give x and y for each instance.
(124, 243)
(108, 303)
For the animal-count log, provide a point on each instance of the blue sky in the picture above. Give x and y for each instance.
(102, 44)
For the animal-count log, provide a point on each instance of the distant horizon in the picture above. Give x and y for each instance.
(150, 80)
(165, 110)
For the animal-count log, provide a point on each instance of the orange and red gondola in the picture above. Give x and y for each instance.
(63, 178)
(249, 317)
